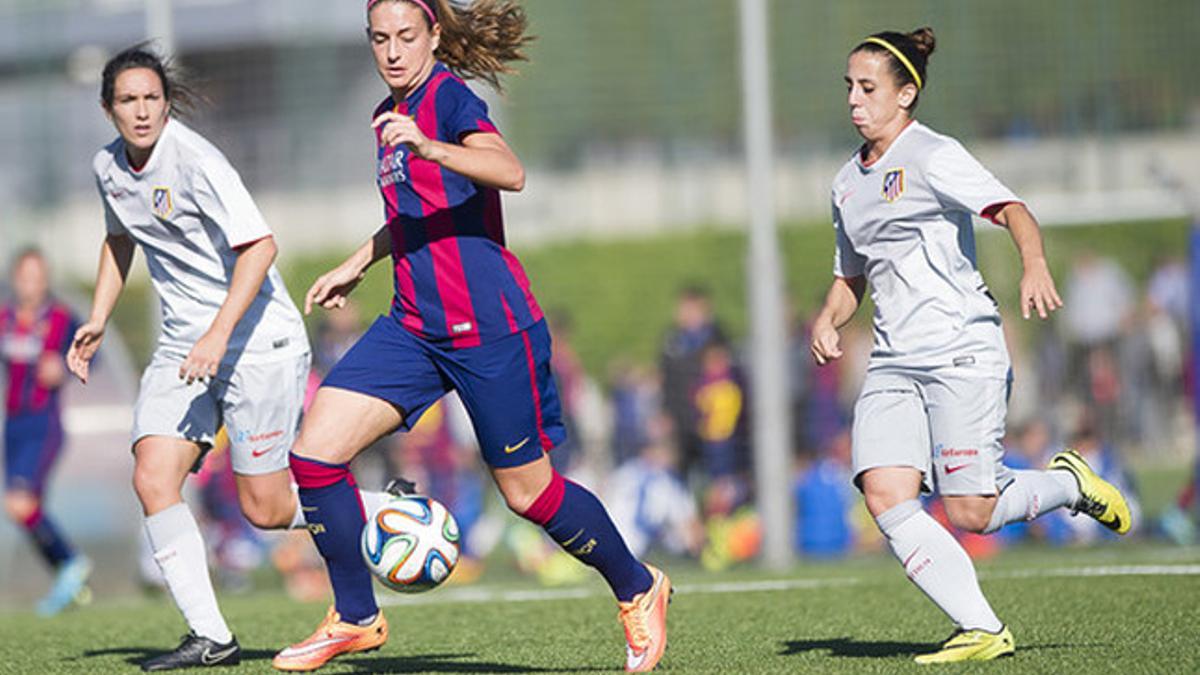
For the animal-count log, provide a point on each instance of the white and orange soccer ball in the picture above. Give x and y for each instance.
(410, 543)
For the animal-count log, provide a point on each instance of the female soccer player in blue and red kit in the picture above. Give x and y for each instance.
(463, 318)
(35, 332)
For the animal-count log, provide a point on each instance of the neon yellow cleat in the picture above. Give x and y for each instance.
(1099, 498)
(972, 645)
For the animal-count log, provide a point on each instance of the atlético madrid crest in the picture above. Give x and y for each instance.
(893, 184)
(160, 202)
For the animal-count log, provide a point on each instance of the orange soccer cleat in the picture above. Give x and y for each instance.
(333, 637)
(645, 622)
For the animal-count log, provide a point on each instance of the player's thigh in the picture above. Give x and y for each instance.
(966, 421)
(169, 407)
(261, 409)
(511, 397)
(342, 423)
(890, 428)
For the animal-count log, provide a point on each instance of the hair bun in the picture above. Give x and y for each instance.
(923, 40)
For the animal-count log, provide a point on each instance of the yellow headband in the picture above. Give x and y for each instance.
(898, 54)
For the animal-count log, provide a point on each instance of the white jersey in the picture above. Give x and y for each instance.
(905, 222)
(189, 211)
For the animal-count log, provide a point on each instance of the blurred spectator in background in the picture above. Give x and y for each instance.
(635, 400)
(825, 498)
(719, 400)
(651, 504)
(694, 328)
(1099, 303)
(337, 331)
(571, 379)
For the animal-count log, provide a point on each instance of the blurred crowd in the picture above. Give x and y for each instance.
(668, 443)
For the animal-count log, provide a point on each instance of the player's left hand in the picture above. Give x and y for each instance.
(1038, 292)
(205, 358)
(401, 129)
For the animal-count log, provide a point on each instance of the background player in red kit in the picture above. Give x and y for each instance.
(463, 318)
(35, 332)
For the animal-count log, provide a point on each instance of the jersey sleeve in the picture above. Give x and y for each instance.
(222, 198)
(112, 224)
(461, 112)
(960, 182)
(847, 262)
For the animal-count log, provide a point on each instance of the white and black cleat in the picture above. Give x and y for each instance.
(196, 652)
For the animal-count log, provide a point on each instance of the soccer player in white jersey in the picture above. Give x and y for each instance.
(931, 411)
(232, 350)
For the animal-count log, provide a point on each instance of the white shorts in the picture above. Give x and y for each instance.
(259, 403)
(946, 423)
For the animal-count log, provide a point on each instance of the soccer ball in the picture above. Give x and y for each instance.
(410, 543)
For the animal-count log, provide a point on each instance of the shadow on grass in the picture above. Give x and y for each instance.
(444, 663)
(135, 655)
(852, 648)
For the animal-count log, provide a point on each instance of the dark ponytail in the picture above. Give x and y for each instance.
(916, 48)
(176, 89)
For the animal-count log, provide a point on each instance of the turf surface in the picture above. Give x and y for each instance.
(1119, 608)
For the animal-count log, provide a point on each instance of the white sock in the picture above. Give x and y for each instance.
(938, 565)
(371, 501)
(1031, 494)
(180, 554)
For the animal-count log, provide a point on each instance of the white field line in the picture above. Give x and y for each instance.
(485, 594)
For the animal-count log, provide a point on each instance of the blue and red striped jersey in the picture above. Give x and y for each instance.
(456, 282)
(23, 345)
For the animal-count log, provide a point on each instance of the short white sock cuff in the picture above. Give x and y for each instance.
(170, 523)
(298, 519)
(894, 517)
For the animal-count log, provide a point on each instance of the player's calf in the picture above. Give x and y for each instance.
(970, 513)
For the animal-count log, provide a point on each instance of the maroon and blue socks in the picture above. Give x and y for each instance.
(578, 522)
(50, 542)
(336, 516)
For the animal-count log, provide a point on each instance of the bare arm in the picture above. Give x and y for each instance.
(116, 255)
(483, 157)
(330, 289)
(841, 302)
(253, 262)
(1037, 285)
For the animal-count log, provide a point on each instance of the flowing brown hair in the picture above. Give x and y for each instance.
(480, 39)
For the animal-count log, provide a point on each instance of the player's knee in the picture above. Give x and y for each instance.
(881, 498)
(519, 497)
(20, 506)
(969, 516)
(155, 491)
(266, 516)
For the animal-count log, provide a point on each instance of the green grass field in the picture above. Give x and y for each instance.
(1123, 608)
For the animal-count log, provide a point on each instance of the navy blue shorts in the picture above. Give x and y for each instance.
(31, 444)
(506, 385)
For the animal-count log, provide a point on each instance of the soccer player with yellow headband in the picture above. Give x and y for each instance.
(931, 411)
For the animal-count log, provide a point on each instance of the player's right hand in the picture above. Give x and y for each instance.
(330, 289)
(825, 343)
(83, 348)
